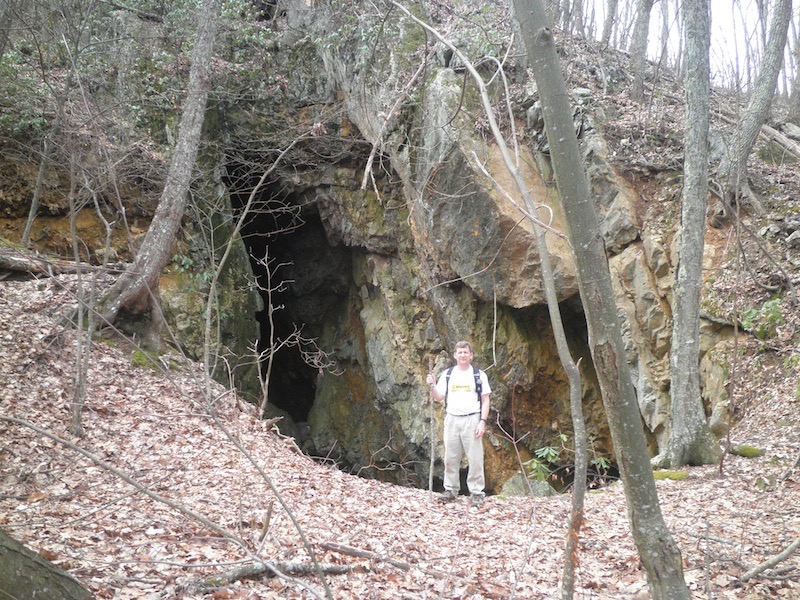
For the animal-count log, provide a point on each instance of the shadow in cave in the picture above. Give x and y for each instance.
(302, 281)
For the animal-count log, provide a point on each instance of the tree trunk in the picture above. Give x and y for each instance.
(690, 441)
(6, 20)
(578, 24)
(794, 95)
(44, 163)
(641, 31)
(610, 20)
(732, 170)
(25, 575)
(134, 290)
(660, 555)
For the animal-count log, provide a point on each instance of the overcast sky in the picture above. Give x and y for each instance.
(733, 30)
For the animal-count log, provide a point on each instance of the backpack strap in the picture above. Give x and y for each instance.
(476, 373)
(447, 385)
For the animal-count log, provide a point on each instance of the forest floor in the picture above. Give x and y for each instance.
(204, 503)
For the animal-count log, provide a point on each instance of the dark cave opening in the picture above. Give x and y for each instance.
(300, 278)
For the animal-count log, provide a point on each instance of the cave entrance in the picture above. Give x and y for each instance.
(303, 281)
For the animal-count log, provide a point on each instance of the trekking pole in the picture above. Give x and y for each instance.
(433, 447)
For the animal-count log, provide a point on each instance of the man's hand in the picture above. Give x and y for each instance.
(431, 379)
(481, 429)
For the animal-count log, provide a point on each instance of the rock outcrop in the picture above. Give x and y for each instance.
(382, 279)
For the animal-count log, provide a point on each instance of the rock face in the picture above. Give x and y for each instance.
(382, 279)
(439, 251)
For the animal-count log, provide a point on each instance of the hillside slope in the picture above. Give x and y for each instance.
(154, 426)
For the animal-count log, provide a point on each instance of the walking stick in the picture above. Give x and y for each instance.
(433, 447)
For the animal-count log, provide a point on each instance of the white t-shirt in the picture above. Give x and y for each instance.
(462, 398)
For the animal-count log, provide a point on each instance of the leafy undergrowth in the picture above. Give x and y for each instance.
(155, 428)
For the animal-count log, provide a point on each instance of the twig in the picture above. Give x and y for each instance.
(357, 552)
(28, 262)
(484, 269)
(786, 277)
(771, 562)
(265, 524)
(278, 496)
(392, 112)
(450, 573)
(792, 468)
(127, 478)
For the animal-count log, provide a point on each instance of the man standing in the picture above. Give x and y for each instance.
(465, 392)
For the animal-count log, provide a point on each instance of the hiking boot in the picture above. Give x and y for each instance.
(476, 500)
(447, 496)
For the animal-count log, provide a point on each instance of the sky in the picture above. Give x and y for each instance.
(732, 29)
(732, 24)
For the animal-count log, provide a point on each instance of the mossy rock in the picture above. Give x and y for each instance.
(663, 474)
(144, 360)
(746, 451)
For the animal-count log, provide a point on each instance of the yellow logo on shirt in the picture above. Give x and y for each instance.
(464, 387)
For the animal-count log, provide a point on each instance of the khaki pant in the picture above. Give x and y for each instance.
(459, 439)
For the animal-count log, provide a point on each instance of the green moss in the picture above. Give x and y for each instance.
(746, 451)
(111, 343)
(663, 474)
(765, 482)
(142, 359)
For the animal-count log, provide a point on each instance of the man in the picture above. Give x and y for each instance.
(465, 393)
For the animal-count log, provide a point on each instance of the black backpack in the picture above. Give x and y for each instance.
(476, 373)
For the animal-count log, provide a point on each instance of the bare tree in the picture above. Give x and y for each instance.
(6, 21)
(578, 18)
(610, 20)
(733, 168)
(133, 290)
(60, 30)
(659, 554)
(793, 88)
(690, 441)
(638, 50)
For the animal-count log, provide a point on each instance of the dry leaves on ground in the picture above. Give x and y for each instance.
(156, 429)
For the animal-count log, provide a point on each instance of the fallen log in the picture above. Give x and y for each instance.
(268, 569)
(13, 259)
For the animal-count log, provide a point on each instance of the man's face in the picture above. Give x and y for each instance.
(463, 356)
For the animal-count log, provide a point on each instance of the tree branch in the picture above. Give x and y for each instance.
(403, 566)
(771, 562)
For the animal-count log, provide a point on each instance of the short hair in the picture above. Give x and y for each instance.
(464, 344)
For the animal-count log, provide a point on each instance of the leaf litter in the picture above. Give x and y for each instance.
(156, 428)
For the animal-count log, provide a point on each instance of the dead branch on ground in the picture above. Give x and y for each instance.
(399, 564)
(268, 569)
(771, 562)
